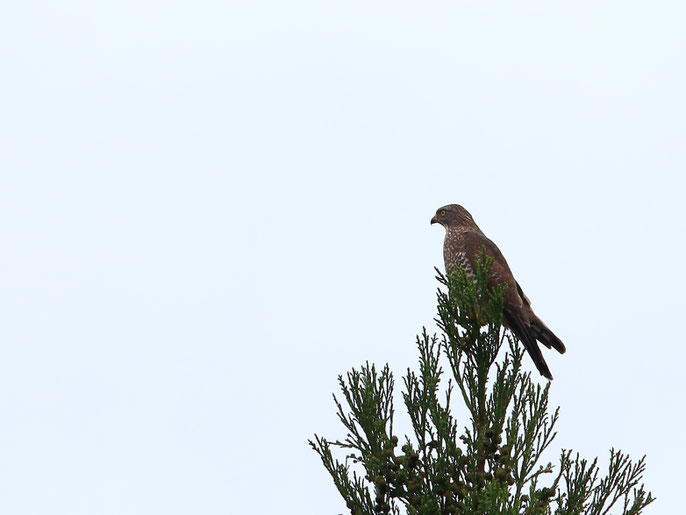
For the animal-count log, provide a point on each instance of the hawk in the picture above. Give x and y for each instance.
(464, 242)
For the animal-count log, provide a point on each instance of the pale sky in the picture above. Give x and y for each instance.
(209, 210)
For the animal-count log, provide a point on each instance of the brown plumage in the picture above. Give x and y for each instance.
(464, 242)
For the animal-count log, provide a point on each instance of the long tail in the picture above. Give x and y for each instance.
(546, 336)
(526, 336)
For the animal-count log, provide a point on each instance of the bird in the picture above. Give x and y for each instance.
(463, 243)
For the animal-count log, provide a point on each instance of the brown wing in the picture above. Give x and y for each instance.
(521, 294)
(500, 271)
(517, 312)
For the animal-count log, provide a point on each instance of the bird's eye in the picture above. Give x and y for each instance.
(443, 213)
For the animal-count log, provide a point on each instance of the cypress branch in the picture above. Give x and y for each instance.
(492, 465)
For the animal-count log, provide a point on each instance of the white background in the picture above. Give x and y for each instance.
(208, 210)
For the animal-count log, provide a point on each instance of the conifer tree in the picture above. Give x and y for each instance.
(492, 464)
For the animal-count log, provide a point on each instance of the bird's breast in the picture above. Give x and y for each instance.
(455, 255)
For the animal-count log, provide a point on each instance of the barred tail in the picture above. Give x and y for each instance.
(526, 336)
(546, 336)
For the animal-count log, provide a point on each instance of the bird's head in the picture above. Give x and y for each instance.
(453, 216)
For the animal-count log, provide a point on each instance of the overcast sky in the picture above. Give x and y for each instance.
(208, 210)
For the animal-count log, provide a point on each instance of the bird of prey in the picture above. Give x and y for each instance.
(464, 242)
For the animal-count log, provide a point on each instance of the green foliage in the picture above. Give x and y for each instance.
(491, 466)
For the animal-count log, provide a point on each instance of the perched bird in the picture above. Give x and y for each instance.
(464, 242)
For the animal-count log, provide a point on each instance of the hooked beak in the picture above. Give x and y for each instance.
(434, 220)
